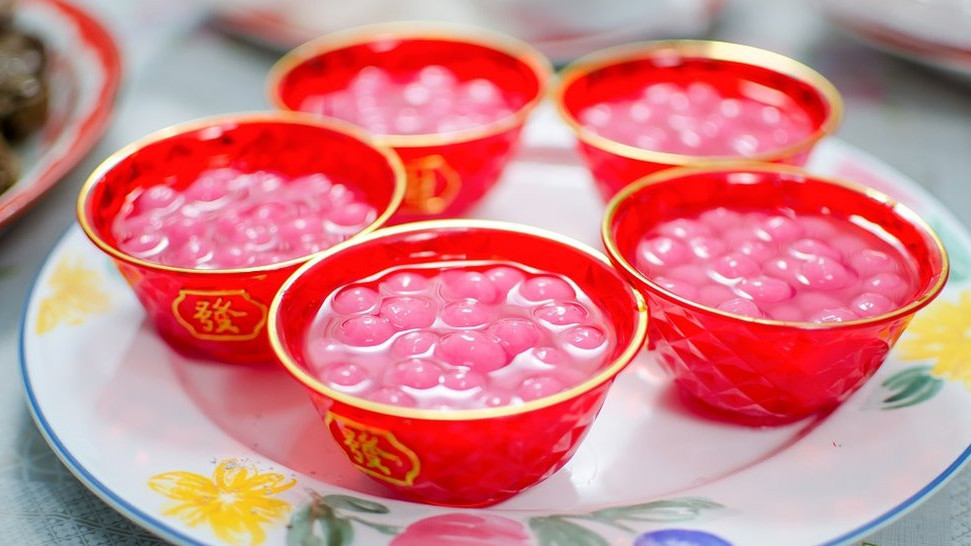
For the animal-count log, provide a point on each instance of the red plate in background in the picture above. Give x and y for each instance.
(84, 70)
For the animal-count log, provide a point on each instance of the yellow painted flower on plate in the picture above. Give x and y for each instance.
(942, 333)
(236, 502)
(75, 293)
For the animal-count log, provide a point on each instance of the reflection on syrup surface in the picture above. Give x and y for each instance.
(458, 335)
(228, 219)
(430, 100)
(778, 265)
(697, 119)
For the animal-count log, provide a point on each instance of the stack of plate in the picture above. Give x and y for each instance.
(933, 32)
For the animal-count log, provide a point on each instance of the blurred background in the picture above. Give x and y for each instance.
(927, 30)
(562, 29)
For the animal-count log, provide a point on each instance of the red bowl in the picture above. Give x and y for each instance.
(734, 70)
(471, 457)
(222, 313)
(447, 172)
(760, 371)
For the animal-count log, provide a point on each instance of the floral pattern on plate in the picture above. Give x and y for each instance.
(236, 502)
(76, 292)
(940, 334)
(331, 520)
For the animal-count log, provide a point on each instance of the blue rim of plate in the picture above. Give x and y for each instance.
(94, 485)
(169, 533)
(907, 505)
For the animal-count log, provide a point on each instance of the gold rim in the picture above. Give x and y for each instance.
(516, 49)
(670, 175)
(703, 49)
(397, 169)
(607, 373)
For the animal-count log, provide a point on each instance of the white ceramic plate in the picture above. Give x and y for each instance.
(932, 32)
(200, 452)
(83, 72)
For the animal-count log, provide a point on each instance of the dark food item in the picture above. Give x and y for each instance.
(9, 166)
(23, 92)
(6, 14)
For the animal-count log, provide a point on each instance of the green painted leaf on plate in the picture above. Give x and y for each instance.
(300, 528)
(909, 387)
(682, 509)
(315, 524)
(338, 532)
(379, 527)
(354, 504)
(556, 531)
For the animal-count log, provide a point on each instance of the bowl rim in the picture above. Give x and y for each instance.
(238, 118)
(671, 176)
(698, 49)
(514, 48)
(605, 374)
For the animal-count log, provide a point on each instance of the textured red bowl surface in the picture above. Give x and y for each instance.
(447, 172)
(621, 72)
(222, 313)
(461, 457)
(758, 371)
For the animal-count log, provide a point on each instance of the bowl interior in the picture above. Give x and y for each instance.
(627, 78)
(690, 192)
(300, 300)
(291, 149)
(331, 69)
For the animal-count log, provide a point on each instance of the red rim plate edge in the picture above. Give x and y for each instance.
(90, 129)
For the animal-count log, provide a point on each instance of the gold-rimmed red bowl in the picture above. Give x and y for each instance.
(735, 70)
(760, 371)
(448, 172)
(221, 313)
(461, 457)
